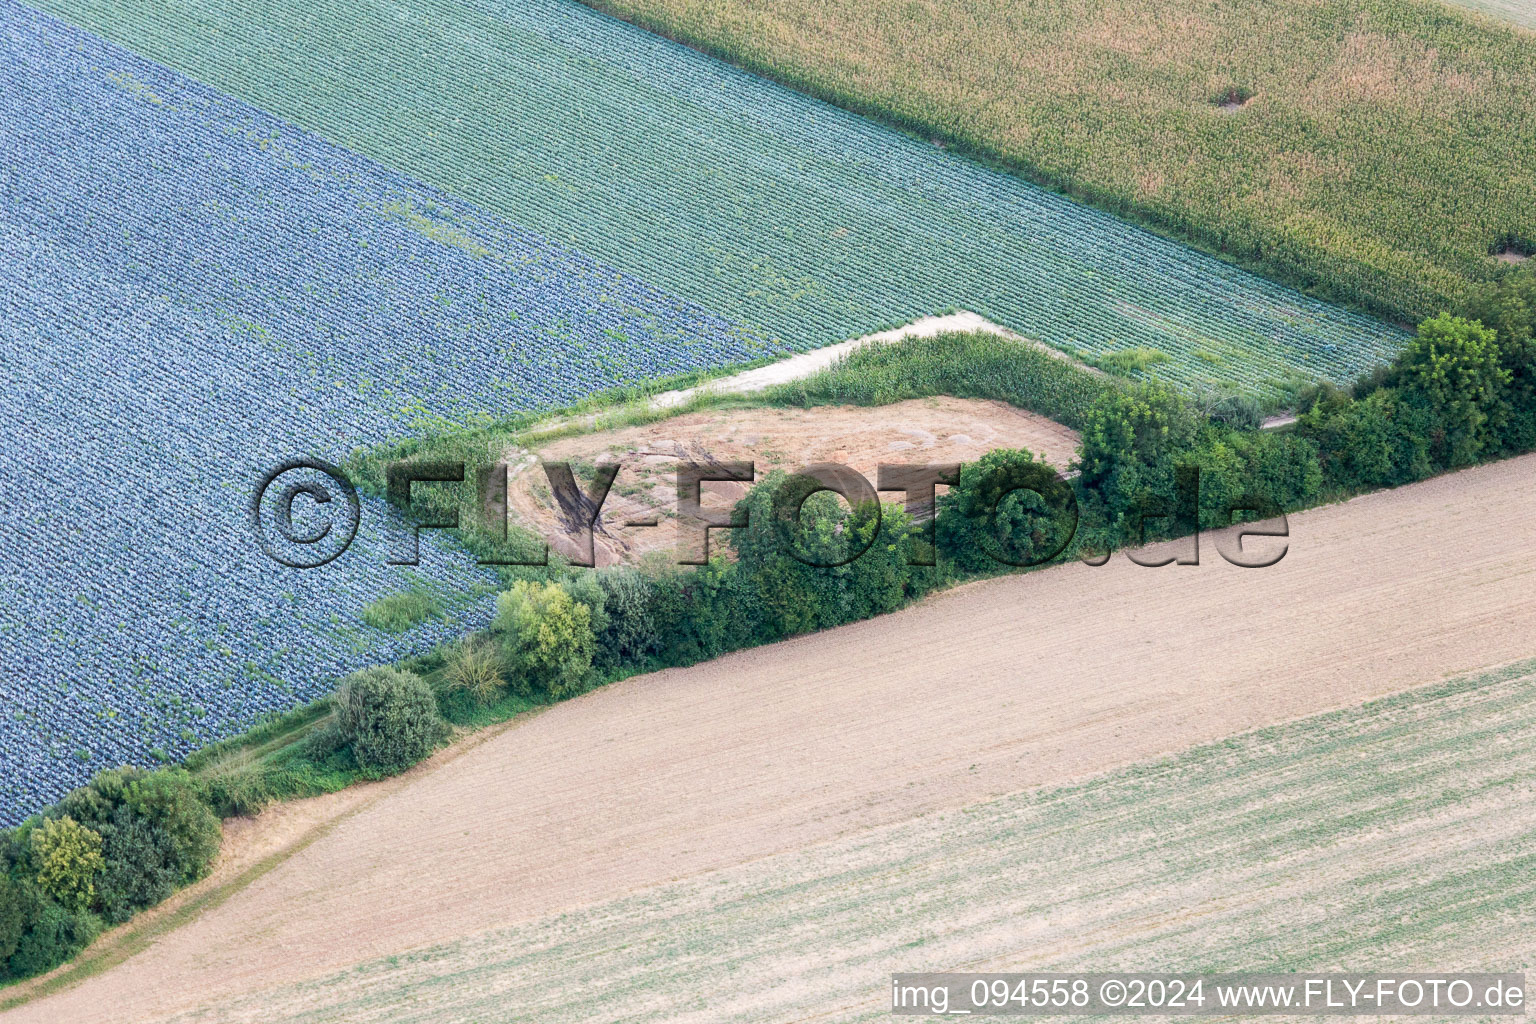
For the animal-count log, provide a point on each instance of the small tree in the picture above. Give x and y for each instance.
(389, 717)
(68, 858)
(546, 637)
(1132, 438)
(1452, 367)
(1007, 509)
(630, 635)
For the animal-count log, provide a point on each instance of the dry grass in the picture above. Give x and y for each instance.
(1386, 144)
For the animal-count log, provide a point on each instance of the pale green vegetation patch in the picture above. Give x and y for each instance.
(1521, 12)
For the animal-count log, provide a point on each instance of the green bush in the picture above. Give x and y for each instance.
(1453, 367)
(1508, 306)
(797, 575)
(546, 638)
(158, 833)
(52, 937)
(1376, 441)
(396, 613)
(1007, 509)
(390, 719)
(322, 741)
(1130, 442)
(67, 856)
(239, 787)
(629, 636)
(140, 870)
(18, 907)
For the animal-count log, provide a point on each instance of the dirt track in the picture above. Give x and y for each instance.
(981, 691)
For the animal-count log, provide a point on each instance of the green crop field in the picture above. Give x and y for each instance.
(1521, 12)
(1384, 150)
(1399, 835)
(791, 217)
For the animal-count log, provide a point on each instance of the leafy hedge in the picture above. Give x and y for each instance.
(123, 842)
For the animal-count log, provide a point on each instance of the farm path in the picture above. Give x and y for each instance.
(985, 690)
(804, 364)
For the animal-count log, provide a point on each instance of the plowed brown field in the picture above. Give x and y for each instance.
(985, 690)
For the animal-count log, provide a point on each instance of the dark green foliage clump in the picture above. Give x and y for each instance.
(1460, 393)
(123, 842)
(157, 832)
(1008, 509)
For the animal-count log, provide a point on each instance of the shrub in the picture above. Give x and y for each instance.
(630, 634)
(1007, 509)
(586, 588)
(1453, 367)
(1130, 443)
(18, 906)
(474, 665)
(68, 857)
(237, 787)
(546, 637)
(389, 717)
(139, 867)
(1377, 441)
(1508, 306)
(322, 741)
(1254, 471)
(772, 593)
(54, 935)
(702, 613)
(158, 833)
(396, 613)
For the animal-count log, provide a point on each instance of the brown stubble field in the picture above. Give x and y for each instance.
(990, 689)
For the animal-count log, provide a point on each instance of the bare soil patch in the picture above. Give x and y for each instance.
(921, 430)
(985, 690)
(1233, 100)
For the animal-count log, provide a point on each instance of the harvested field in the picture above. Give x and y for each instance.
(923, 430)
(987, 690)
(1328, 841)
